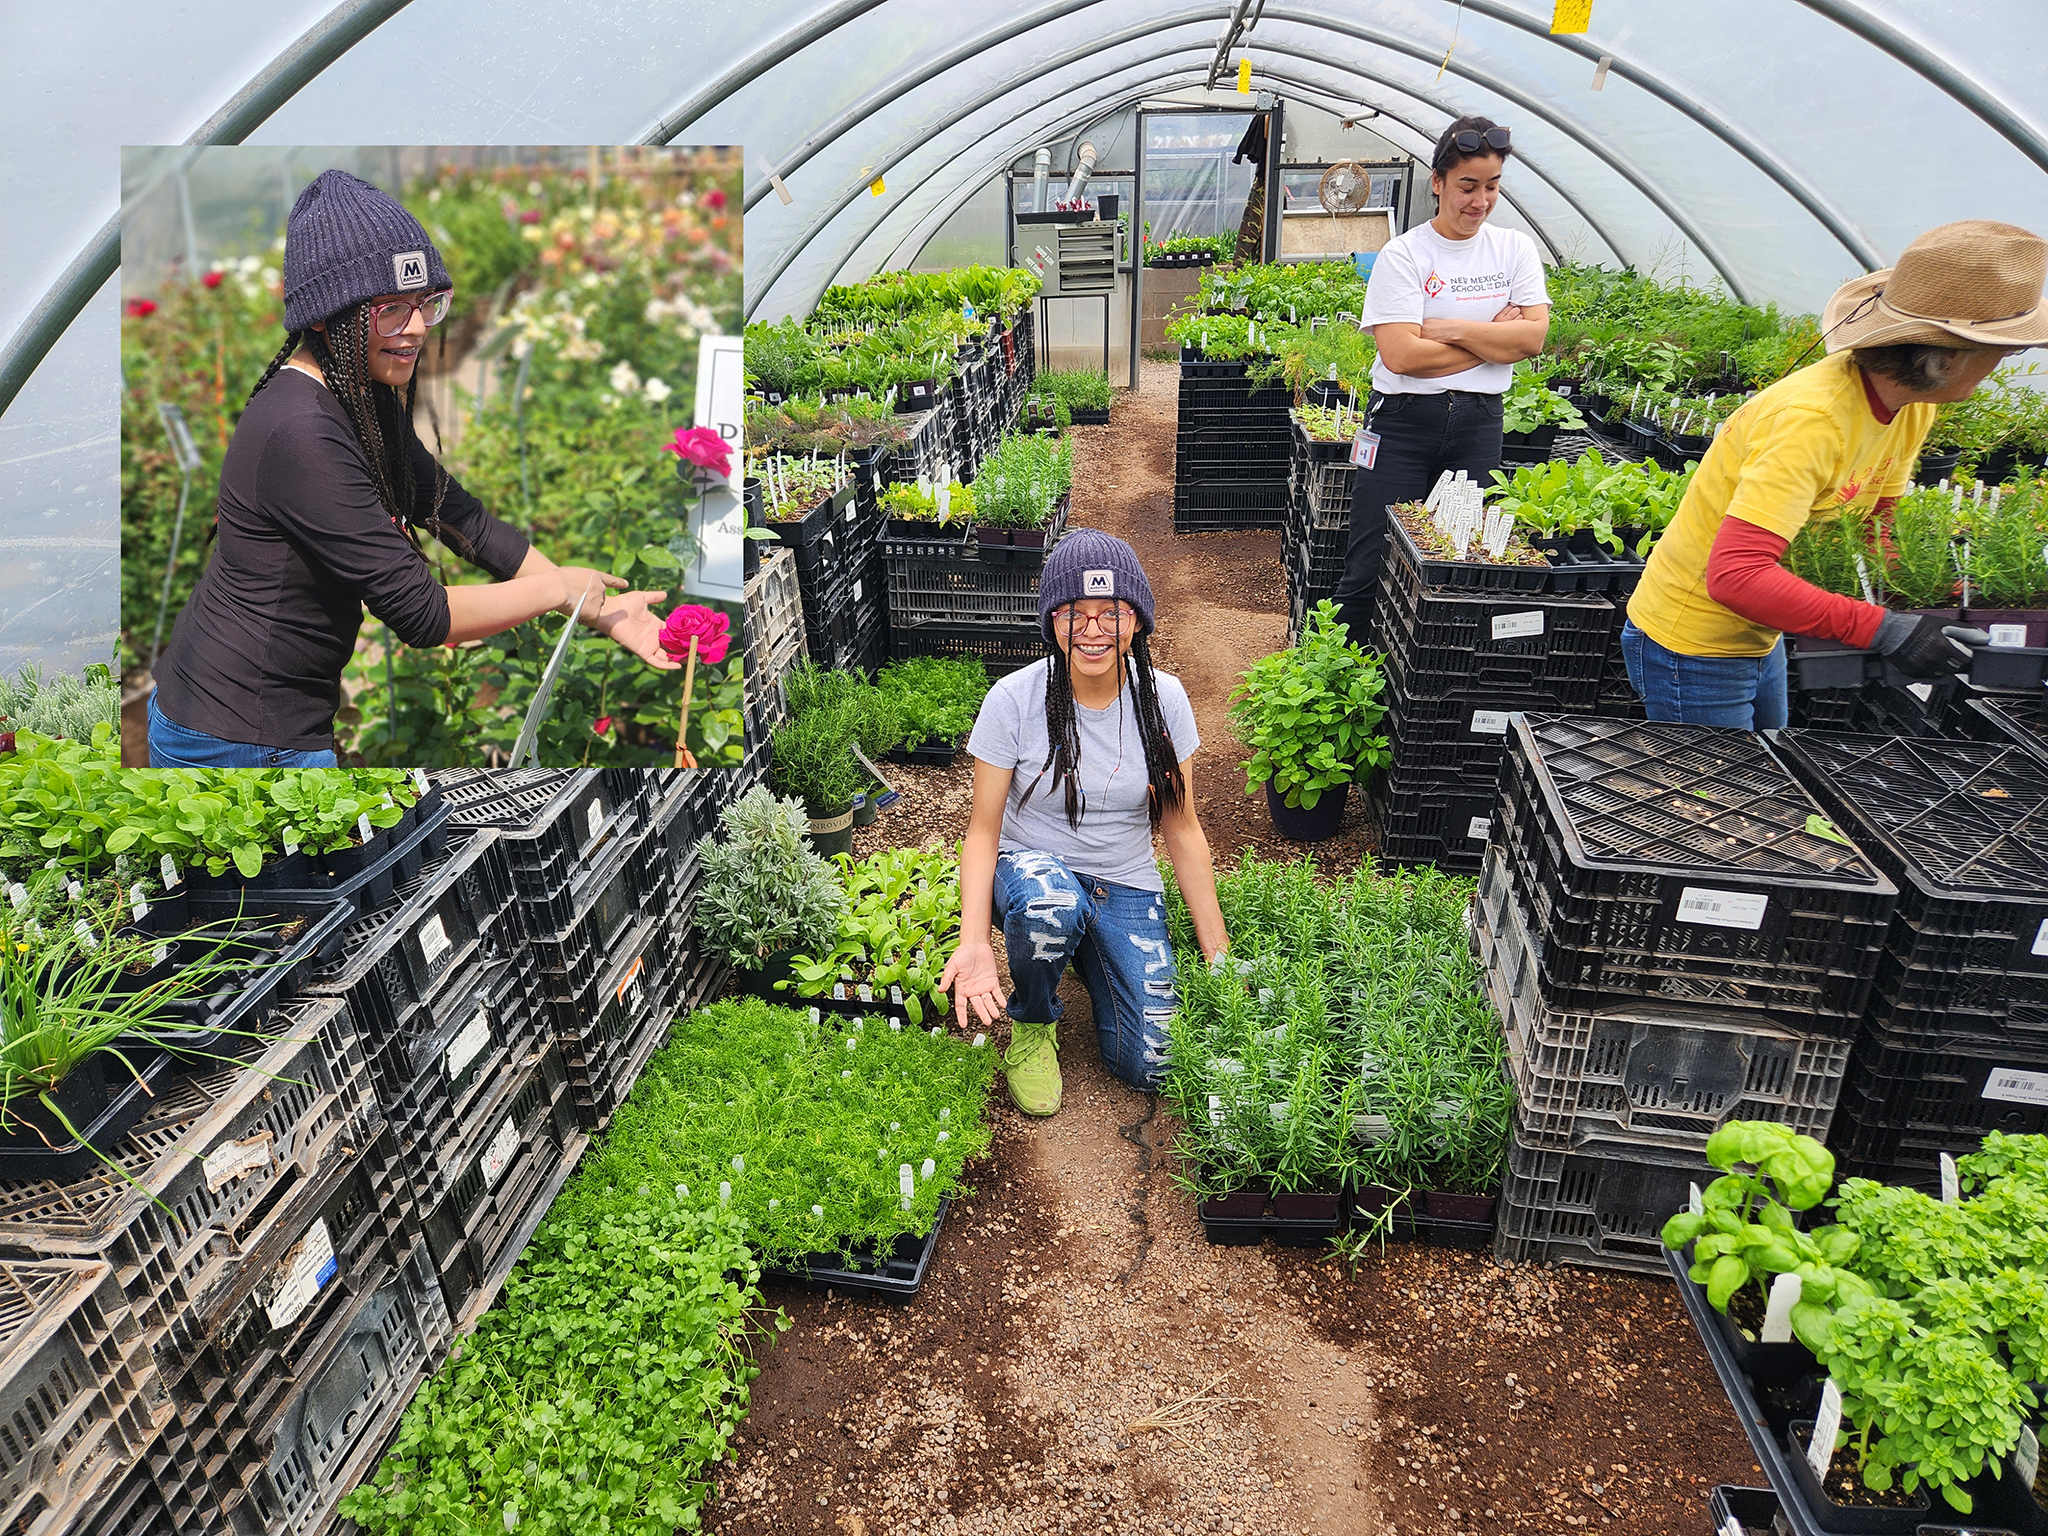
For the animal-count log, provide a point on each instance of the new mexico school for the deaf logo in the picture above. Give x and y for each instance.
(1434, 286)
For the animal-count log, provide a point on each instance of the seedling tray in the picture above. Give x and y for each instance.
(943, 756)
(1651, 1073)
(1264, 1218)
(1004, 648)
(28, 1156)
(1410, 1220)
(1408, 566)
(401, 860)
(1685, 863)
(894, 1275)
(550, 826)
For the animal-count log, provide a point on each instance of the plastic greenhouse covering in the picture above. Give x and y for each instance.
(1781, 145)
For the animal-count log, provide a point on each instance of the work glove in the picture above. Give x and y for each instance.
(1920, 645)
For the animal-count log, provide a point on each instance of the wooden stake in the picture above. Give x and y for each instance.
(684, 757)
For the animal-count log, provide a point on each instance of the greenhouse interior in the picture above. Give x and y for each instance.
(1465, 580)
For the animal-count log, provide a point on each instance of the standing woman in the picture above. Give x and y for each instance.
(1078, 760)
(1704, 641)
(323, 494)
(1453, 305)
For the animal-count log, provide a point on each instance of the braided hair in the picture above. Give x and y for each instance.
(381, 417)
(1166, 788)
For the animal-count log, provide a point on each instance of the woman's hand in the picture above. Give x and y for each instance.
(972, 979)
(628, 621)
(591, 586)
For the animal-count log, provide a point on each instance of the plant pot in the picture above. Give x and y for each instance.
(1305, 1206)
(1597, 405)
(864, 810)
(342, 863)
(1936, 467)
(2009, 626)
(1768, 1366)
(1237, 1205)
(81, 1097)
(168, 909)
(122, 1099)
(284, 871)
(1447, 1207)
(2024, 1507)
(1534, 445)
(1314, 825)
(831, 834)
(1849, 1519)
(761, 982)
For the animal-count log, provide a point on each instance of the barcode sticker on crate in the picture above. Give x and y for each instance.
(2041, 938)
(2007, 636)
(433, 938)
(1722, 909)
(1479, 829)
(1517, 626)
(2017, 1085)
(1490, 722)
(856, 592)
(476, 1034)
(499, 1152)
(237, 1160)
(298, 1279)
(1826, 1425)
(593, 814)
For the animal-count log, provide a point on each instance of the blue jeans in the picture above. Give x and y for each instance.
(1741, 693)
(172, 745)
(1116, 937)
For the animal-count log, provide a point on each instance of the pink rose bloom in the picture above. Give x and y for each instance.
(212, 279)
(601, 725)
(715, 199)
(709, 626)
(703, 447)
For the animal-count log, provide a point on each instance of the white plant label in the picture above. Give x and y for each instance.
(1778, 1312)
(160, 954)
(419, 780)
(476, 1034)
(499, 1152)
(593, 816)
(1951, 1190)
(237, 1160)
(299, 1277)
(906, 1185)
(85, 935)
(1826, 1425)
(139, 906)
(2007, 636)
(389, 803)
(2041, 939)
(1517, 626)
(1695, 1201)
(1479, 829)
(2026, 1456)
(838, 991)
(865, 992)
(433, 938)
(363, 831)
(815, 1016)
(169, 867)
(1722, 909)
(2017, 1085)
(1490, 722)
(896, 995)
(1215, 1109)
(73, 891)
(18, 894)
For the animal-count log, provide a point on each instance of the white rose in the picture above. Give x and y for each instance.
(656, 391)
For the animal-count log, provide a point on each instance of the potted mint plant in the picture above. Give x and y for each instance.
(1307, 714)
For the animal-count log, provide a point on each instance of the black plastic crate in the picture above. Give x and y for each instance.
(596, 1026)
(1420, 821)
(1684, 862)
(1219, 506)
(1423, 755)
(552, 824)
(2007, 717)
(1902, 1108)
(78, 1392)
(953, 584)
(519, 1153)
(573, 927)
(137, 1503)
(1618, 699)
(1823, 709)
(1244, 1219)
(1930, 1001)
(1540, 646)
(894, 1275)
(1602, 1204)
(1004, 649)
(345, 1403)
(398, 960)
(1962, 827)
(217, 1160)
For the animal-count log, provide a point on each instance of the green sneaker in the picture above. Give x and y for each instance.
(1032, 1067)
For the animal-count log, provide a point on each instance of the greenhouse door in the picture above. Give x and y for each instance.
(1190, 183)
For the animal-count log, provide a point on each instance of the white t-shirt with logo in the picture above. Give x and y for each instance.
(1422, 276)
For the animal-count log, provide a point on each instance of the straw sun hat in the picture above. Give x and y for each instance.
(1975, 283)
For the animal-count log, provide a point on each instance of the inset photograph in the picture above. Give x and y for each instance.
(427, 457)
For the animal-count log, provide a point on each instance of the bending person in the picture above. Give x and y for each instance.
(324, 492)
(1452, 306)
(1078, 760)
(1704, 641)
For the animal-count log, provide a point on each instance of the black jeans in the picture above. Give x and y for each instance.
(1421, 436)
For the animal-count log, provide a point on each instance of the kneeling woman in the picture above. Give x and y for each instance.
(1078, 760)
(324, 493)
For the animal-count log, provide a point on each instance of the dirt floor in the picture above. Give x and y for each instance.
(1081, 1360)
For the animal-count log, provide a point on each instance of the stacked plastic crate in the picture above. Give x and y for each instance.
(1467, 644)
(1674, 936)
(955, 596)
(1232, 450)
(774, 638)
(1955, 1043)
(834, 548)
(1317, 532)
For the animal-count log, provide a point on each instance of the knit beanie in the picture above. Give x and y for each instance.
(1090, 564)
(346, 242)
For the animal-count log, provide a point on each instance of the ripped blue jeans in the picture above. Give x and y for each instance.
(1115, 935)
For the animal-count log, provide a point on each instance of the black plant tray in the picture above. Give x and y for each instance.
(1244, 1231)
(1406, 563)
(1411, 1223)
(29, 1158)
(401, 860)
(923, 757)
(1084, 416)
(894, 1276)
(2007, 717)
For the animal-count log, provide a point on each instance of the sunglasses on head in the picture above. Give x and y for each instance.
(1467, 141)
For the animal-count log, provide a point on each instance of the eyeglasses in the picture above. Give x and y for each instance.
(1108, 622)
(394, 315)
(1467, 141)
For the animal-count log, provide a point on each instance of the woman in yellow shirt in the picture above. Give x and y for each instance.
(1704, 639)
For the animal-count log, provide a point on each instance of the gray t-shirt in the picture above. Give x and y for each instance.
(1114, 839)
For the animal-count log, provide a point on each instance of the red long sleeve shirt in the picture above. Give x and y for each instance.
(1744, 576)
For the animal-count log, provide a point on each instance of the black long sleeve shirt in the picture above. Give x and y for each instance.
(304, 546)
